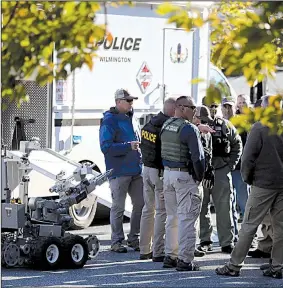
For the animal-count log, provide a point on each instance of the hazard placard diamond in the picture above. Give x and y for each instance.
(144, 77)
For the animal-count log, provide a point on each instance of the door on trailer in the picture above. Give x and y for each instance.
(177, 61)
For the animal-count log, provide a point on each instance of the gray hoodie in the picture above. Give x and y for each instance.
(262, 160)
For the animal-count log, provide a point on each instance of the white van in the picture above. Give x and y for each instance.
(147, 56)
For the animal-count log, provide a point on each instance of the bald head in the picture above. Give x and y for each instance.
(184, 100)
(185, 108)
(169, 106)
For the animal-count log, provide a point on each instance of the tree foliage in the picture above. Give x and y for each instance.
(31, 29)
(247, 37)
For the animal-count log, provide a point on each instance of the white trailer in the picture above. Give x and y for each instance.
(148, 57)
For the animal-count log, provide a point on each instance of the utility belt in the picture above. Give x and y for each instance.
(183, 169)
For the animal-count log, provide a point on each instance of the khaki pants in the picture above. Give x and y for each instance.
(153, 214)
(120, 186)
(222, 194)
(265, 243)
(259, 202)
(183, 199)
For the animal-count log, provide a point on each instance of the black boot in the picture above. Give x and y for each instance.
(183, 266)
(169, 262)
(258, 254)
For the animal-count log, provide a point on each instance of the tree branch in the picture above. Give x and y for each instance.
(11, 16)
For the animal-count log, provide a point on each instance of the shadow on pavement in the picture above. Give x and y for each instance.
(113, 270)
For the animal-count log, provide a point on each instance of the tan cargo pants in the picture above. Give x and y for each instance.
(259, 202)
(265, 243)
(153, 214)
(183, 199)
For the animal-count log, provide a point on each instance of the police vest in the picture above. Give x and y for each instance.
(151, 146)
(172, 149)
(220, 142)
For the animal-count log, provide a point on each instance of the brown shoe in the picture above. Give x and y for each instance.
(270, 272)
(226, 271)
(146, 256)
(134, 244)
(119, 248)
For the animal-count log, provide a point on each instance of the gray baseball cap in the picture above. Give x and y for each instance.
(124, 94)
(228, 101)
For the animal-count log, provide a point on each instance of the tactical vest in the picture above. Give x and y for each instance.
(220, 142)
(151, 146)
(172, 149)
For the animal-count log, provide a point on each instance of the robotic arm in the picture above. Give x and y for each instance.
(72, 190)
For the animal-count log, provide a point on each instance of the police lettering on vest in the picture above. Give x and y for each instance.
(150, 146)
(149, 136)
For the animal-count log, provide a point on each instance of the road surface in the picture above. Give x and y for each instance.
(115, 270)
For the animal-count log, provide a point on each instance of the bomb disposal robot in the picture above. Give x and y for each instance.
(33, 230)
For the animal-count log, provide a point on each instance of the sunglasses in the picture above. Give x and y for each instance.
(187, 106)
(213, 106)
(128, 100)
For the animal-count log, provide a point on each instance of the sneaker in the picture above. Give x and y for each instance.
(158, 259)
(183, 266)
(134, 244)
(258, 254)
(270, 272)
(169, 262)
(119, 248)
(226, 271)
(205, 246)
(199, 253)
(227, 249)
(146, 256)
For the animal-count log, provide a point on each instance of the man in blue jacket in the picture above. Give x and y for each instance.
(119, 142)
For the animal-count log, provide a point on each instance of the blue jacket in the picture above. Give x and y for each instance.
(116, 132)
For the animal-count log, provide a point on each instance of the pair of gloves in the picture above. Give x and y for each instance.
(209, 178)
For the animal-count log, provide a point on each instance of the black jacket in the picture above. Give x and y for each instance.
(150, 141)
(262, 160)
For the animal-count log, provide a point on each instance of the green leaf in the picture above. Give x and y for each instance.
(25, 42)
(197, 80)
(4, 36)
(167, 8)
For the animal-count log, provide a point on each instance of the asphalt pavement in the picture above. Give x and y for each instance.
(113, 270)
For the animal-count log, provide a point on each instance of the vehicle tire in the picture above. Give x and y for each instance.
(75, 251)
(47, 253)
(84, 216)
